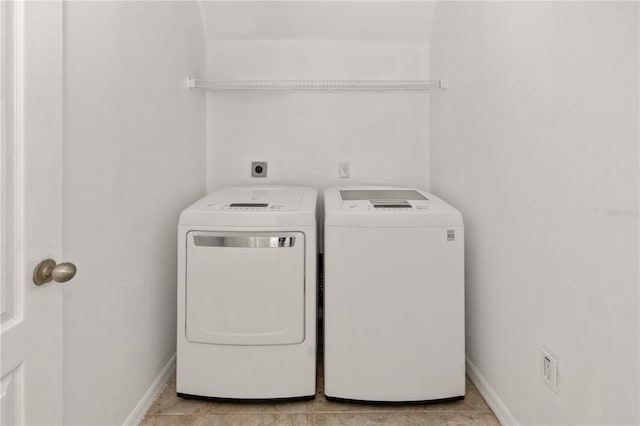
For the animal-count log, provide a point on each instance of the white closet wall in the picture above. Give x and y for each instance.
(536, 142)
(134, 148)
(304, 136)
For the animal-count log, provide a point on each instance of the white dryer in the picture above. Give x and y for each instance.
(247, 294)
(393, 296)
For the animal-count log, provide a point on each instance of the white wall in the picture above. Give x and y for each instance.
(391, 20)
(537, 143)
(134, 153)
(304, 136)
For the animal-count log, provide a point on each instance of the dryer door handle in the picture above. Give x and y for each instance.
(202, 239)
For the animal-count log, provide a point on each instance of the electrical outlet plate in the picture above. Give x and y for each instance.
(549, 369)
(258, 169)
(343, 169)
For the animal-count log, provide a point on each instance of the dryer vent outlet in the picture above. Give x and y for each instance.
(259, 169)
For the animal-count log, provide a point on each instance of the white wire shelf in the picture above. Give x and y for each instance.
(319, 85)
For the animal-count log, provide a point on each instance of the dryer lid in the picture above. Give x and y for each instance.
(267, 205)
(256, 199)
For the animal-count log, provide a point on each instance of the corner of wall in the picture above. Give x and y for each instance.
(490, 396)
(156, 388)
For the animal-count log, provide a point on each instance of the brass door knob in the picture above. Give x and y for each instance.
(47, 270)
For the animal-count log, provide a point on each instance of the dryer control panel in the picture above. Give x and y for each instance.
(253, 206)
(248, 206)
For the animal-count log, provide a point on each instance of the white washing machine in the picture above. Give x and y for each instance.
(393, 296)
(247, 294)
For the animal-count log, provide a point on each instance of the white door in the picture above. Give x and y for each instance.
(31, 211)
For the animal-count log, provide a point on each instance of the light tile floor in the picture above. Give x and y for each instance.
(170, 409)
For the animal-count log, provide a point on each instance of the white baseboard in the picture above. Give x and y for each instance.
(495, 403)
(152, 393)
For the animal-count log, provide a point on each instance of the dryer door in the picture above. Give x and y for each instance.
(245, 288)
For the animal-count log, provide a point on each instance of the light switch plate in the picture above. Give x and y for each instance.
(343, 169)
(549, 367)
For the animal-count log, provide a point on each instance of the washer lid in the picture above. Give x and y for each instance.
(372, 206)
(380, 194)
(383, 199)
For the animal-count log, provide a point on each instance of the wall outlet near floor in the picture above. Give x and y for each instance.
(343, 169)
(549, 365)
(258, 169)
